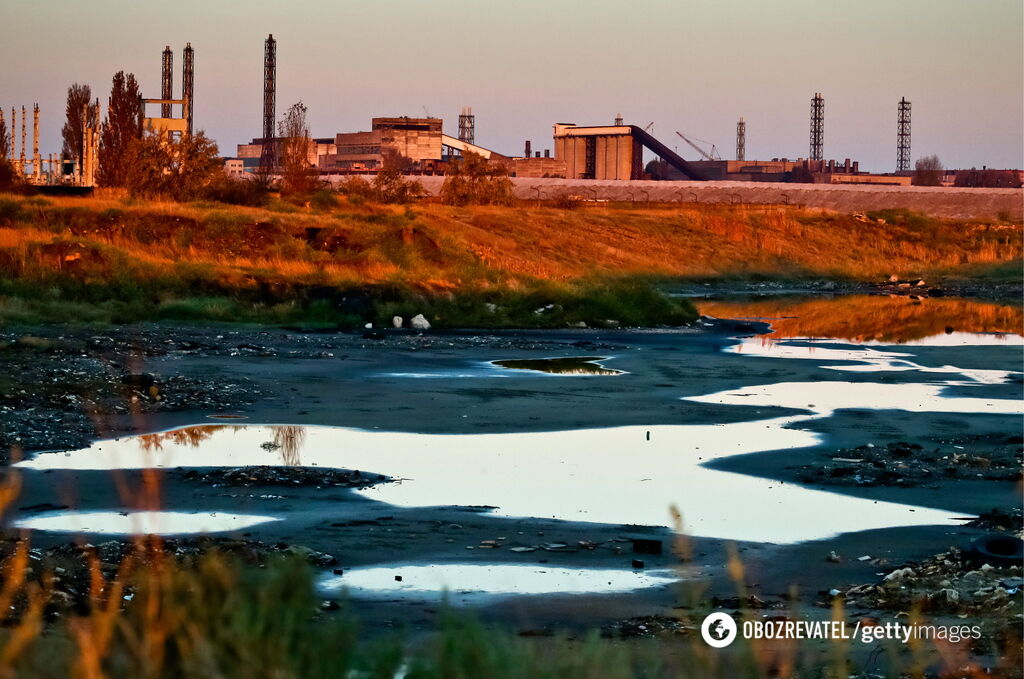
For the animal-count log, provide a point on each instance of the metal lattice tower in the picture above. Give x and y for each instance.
(37, 165)
(741, 139)
(817, 126)
(188, 81)
(167, 81)
(268, 155)
(467, 126)
(22, 158)
(903, 136)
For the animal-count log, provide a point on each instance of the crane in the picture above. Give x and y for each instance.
(712, 155)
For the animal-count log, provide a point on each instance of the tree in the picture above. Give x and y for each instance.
(928, 171)
(472, 180)
(121, 129)
(79, 96)
(158, 166)
(298, 177)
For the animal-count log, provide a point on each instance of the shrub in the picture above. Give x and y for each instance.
(473, 181)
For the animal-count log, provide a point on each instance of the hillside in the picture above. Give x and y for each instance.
(144, 259)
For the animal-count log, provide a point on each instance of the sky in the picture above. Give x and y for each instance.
(693, 66)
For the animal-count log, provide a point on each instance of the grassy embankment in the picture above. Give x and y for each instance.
(115, 260)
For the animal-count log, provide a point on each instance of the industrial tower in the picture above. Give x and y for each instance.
(268, 154)
(741, 139)
(467, 125)
(188, 81)
(817, 126)
(167, 81)
(903, 136)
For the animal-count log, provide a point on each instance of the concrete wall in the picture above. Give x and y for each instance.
(935, 201)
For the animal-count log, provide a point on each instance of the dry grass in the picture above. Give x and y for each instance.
(452, 247)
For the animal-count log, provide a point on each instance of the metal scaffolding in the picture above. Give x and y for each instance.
(741, 139)
(903, 136)
(167, 81)
(268, 153)
(467, 125)
(188, 81)
(817, 126)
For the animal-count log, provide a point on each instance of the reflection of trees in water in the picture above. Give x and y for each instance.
(188, 436)
(289, 440)
(872, 317)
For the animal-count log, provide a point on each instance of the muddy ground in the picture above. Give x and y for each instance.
(62, 388)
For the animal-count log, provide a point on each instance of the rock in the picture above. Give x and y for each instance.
(398, 578)
(611, 323)
(580, 324)
(491, 307)
(368, 326)
(834, 592)
(898, 575)
(893, 278)
(647, 546)
(829, 285)
(139, 380)
(396, 322)
(419, 322)
(330, 605)
(637, 563)
(833, 557)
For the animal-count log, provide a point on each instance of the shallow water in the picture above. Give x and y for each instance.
(572, 365)
(634, 474)
(135, 523)
(474, 583)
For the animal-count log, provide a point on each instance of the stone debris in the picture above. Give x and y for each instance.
(945, 583)
(318, 477)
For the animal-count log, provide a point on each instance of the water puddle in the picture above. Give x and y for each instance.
(825, 398)
(619, 475)
(475, 583)
(141, 523)
(573, 365)
(865, 318)
(870, 359)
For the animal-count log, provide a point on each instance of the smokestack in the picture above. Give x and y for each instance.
(547, 153)
(618, 120)
(188, 83)
(268, 155)
(527, 153)
(166, 81)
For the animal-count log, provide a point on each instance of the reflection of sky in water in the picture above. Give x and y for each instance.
(133, 523)
(618, 475)
(613, 475)
(866, 358)
(467, 583)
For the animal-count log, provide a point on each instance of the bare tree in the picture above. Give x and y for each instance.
(298, 176)
(121, 128)
(928, 171)
(79, 96)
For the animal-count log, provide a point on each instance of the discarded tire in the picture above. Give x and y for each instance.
(997, 551)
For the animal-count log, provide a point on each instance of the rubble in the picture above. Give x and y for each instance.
(997, 458)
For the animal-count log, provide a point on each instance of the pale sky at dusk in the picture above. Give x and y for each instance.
(692, 66)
